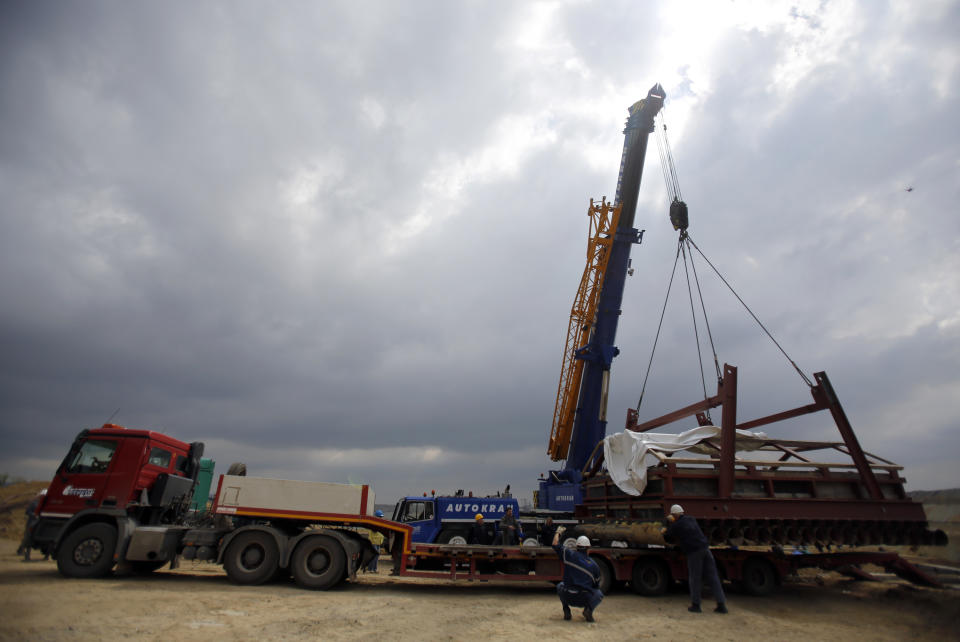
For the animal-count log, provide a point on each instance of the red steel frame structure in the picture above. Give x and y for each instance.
(793, 498)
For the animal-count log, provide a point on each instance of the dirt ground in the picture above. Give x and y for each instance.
(197, 602)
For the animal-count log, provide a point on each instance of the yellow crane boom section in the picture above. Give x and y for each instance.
(604, 218)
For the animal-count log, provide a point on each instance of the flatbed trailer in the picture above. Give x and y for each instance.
(649, 572)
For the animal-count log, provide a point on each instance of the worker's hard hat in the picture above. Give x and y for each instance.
(583, 541)
(676, 509)
(378, 513)
(478, 516)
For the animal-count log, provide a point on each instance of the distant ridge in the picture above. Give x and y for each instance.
(948, 496)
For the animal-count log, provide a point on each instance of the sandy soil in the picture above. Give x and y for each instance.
(197, 602)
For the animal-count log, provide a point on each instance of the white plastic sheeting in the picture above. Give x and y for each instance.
(628, 454)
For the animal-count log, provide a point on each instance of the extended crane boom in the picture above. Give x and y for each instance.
(562, 490)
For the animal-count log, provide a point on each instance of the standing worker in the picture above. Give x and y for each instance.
(508, 528)
(376, 538)
(479, 533)
(686, 532)
(31, 513)
(581, 575)
(547, 532)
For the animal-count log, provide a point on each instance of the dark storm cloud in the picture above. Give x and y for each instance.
(340, 241)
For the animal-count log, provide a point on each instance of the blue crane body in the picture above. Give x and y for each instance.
(445, 520)
(562, 490)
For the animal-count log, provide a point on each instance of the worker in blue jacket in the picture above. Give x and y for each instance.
(684, 530)
(581, 575)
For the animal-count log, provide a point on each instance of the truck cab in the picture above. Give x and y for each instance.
(447, 520)
(111, 472)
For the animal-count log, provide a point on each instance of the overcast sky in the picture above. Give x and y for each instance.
(339, 241)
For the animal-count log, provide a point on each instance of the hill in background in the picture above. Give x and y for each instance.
(13, 502)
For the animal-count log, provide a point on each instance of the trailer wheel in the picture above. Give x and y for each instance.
(251, 558)
(88, 551)
(758, 577)
(452, 537)
(606, 574)
(650, 577)
(318, 563)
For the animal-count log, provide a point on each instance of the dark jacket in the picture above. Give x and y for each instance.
(578, 569)
(480, 534)
(687, 534)
(547, 533)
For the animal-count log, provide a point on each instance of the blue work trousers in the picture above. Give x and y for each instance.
(701, 564)
(372, 565)
(579, 596)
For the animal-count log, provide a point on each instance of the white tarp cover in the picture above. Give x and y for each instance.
(627, 454)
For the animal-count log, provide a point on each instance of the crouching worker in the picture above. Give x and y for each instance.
(580, 577)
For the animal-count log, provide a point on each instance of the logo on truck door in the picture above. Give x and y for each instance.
(78, 492)
(476, 508)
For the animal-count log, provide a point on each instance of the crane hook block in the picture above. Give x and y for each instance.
(678, 215)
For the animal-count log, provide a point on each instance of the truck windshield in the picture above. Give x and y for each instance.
(93, 457)
(416, 511)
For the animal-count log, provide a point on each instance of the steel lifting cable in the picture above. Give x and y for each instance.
(678, 216)
(706, 319)
(664, 165)
(743, 303)
(693, 312)
(672, 182)
(663, 311)
(666, 160)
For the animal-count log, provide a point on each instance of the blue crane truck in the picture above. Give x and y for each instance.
(448, 520)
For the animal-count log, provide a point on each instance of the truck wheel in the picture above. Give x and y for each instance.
(452, 537)
(318, 562)
(88, 551)
(650, 577)
(606, 574)
(758, 577)
(251, 558)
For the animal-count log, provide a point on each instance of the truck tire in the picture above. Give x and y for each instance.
(650, 576)
(251, 558)
(606, 574)
(318, 562)
(758, 577)
(452, 537)
(88, 551)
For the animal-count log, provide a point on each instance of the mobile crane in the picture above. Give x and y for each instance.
(580, 416)
(796, 499)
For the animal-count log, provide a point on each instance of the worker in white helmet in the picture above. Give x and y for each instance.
(581, 576)
(684, 530)
(32, 519)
